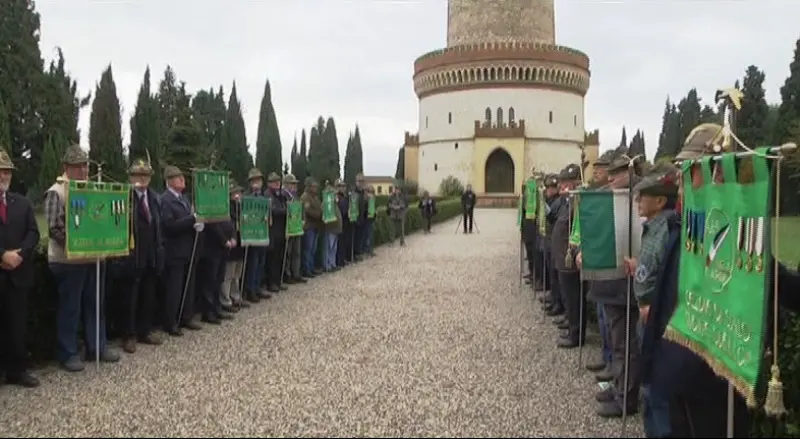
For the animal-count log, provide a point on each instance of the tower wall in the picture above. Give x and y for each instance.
(492, 21)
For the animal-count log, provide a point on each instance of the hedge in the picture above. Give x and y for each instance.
(42, 300)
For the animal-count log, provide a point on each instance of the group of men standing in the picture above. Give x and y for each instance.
(681, 395)
(179, 267)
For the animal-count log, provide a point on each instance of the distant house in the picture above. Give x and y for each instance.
(383, 185)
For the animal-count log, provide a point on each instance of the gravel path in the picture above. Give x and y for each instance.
(432, 339)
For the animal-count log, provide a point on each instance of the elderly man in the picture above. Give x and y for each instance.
(181, 231)
(360, 226)
(344, 247)
(76, 278)
(312, 209)
(19, 236)
(468, 200)
(255, 266)
(294, 251)
(277, 233)
(145, 263)
(230, 293)
(332, 232)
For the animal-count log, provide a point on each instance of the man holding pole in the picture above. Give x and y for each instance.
(181, 235)
(292, 273)
(312, 210)
(255, 266)
(19, 236)
(345, 245)
(76, 278)
(276, 253)
(230, 292)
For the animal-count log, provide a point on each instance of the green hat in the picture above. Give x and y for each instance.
(340, 183)
(234, 188)
(254, 173)
(172, 172)
(551, 180)
(140, 167)
(570, 173)
(663, 182)
(290, 179)
(273, 177)
(702, 140)
(75, 155)
(5, 161)
(604, 160)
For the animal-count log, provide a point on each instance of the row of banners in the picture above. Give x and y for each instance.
(721, 312)
(99, 214)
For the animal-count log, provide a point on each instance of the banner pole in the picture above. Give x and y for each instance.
(97, 294)
(627, 363)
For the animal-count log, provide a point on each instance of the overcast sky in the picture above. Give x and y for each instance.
(353, 59)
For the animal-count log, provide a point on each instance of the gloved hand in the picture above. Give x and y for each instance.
(198, 227)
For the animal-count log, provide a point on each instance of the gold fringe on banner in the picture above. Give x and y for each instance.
(773, 405)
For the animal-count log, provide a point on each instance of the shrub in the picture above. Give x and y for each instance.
(451, 187)
(42, 300)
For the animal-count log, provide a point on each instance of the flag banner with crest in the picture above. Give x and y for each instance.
(353, 207)
(722, 288)
(575, 224)
(531, 198)
(616, 232)
(294, 218)
(98, 219)
(371, 210)
(211, 195)
(329, 206)
(254, 220)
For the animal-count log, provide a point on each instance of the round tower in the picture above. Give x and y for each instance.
(499, 100)
(500, 21)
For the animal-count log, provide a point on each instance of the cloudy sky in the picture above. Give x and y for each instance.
(353, 59)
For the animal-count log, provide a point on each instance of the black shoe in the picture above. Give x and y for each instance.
(614, 410)
(24, 379)
(283, 287)
(192, 326)
(566, 343)
(596, 367)
(604, 396)
(317, 272)
(563, 325)
(243, 305)
(253, 297)
(300, 280)
(309, 275)
(289, 280)
(552, 312)
(230, 309)
(266, 294)
(559, 320)
(211, 320)
(604, 375)
(174, 332)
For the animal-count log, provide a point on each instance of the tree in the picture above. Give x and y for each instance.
(145, 138)
(751, 119)
(105, 130)
(5, 128)
(689, 114)
(317, 155)
(358, 153)
(637, 147)
(623, 141)
(301, 171)
(789, 110)
(234, 148)
(54, 150)
(708, 115)
(349, 175)
(22, 86)
(669, 140)
(400, 171)
(332, 168)
(269, 156)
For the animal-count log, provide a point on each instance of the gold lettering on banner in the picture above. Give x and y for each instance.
(708, 321)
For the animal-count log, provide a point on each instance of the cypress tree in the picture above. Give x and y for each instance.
(302, 163)
(349, 175)
(105, 130)
(317, 155)
(789, 110)
(269, 155)
(751, 119)
(689, 114)
(708, 115)
(358, 153)
(144, 124)
(637, 146)
(5, 128)
(235, 149)
(333, 166)
(54, 149)
(623, 141)
(294, 155)
(400, 171)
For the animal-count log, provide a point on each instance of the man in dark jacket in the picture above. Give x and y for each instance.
(256, 266)
(345, 246)
(231, 291)
(145, 263)
(360, 226)
(277, 233)
(217, 240)
(553, 302)
(569, 280)
(427, 206)
(529, 235)
(468, 201)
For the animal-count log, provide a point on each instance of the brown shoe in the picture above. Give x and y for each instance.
(129, 345)
(152, 340)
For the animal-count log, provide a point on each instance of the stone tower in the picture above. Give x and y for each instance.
(500, 21)
(501, 99)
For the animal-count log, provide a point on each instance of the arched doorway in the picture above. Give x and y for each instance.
(499, 172)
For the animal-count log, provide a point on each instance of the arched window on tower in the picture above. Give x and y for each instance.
(487, 122)
(512, 120)
(499, 117)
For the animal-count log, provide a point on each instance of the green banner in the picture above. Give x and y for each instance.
(722, 289)
(294, 218)
(520, 208)
(541, 212)
(352, 212)
(329, 206)
(211, 195)
(575, 224)
(97, 217)
(371, 206)
(531, 199)
(254, 220)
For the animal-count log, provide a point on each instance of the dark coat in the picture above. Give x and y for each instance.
(20, 231)
(427, 207)
(236, 253)
(278, 208)
(145, 252)
(344, 208)
(561, 215)
(468, 200)
(177, 225)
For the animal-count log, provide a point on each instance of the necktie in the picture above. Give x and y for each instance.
(3, 209)
(145, 209)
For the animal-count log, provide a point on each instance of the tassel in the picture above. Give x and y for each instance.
(131, 244)
(773, 405)
(568, 262)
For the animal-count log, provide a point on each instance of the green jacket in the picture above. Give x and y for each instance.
(312, 208)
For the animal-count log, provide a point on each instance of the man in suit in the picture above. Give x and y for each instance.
(19, 236)
(468, 200)
(277, 233)
(145, 263)
(294, 252)
(312, 210)
(256, 256)
(76, 278)
(217, 239)
(230, 292)
(181, 232)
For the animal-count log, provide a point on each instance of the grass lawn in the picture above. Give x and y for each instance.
(788, 238)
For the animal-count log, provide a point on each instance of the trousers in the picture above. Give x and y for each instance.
(230, 293)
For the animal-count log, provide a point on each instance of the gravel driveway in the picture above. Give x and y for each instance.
(432, 339)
